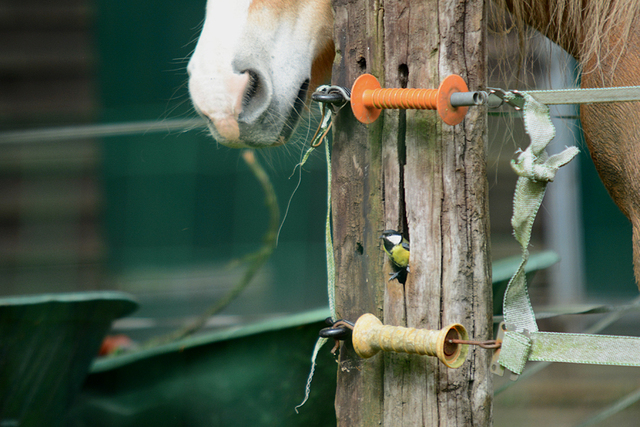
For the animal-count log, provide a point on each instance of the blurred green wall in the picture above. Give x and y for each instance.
(181, 200)
(607, 238)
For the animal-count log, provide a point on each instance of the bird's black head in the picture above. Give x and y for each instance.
(390, 239)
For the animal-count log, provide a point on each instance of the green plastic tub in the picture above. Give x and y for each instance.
(47, 343)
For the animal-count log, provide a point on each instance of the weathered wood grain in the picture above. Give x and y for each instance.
(409, 171)
(357, 211)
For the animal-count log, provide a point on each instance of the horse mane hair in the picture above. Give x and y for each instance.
(589, 30)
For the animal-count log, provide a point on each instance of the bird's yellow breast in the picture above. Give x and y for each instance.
(400, 256)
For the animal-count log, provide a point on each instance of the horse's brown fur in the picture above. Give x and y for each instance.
(321, 67)
(604, 36)
(586, 29)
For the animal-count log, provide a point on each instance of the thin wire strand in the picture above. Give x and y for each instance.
(66, 133)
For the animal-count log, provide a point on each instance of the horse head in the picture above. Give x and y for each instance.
(255, 62)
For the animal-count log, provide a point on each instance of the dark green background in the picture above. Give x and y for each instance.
(180, 199)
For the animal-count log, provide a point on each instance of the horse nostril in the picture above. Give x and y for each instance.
(255, 98)
(252, 88)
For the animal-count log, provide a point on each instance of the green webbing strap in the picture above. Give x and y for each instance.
(586, 96)
(331, 277)
(535, 170)
(518, 348)
(522, 341)
(328, 241)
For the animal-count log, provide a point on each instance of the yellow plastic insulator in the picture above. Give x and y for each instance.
(370, 336)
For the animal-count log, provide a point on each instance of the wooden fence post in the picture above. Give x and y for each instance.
(409, 171)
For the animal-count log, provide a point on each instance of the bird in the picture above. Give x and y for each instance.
(397, 247)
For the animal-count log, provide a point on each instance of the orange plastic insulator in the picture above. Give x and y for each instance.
(368, 99)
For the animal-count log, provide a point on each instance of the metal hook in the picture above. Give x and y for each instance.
(488, 344)
(335, 96)
(339, 330)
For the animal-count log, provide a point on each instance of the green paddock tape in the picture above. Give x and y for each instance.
(518, 348)
(522, 341)
(586, 96)
(331, 291)
(585, 348)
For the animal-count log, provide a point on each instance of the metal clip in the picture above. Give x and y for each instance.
(498, 97)
(496, 367)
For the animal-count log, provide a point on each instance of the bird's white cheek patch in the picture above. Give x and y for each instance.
(395, 239)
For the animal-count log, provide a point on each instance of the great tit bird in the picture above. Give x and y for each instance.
(397, 247)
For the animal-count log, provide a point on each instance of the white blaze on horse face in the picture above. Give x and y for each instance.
(216, 88)
(251, 68)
